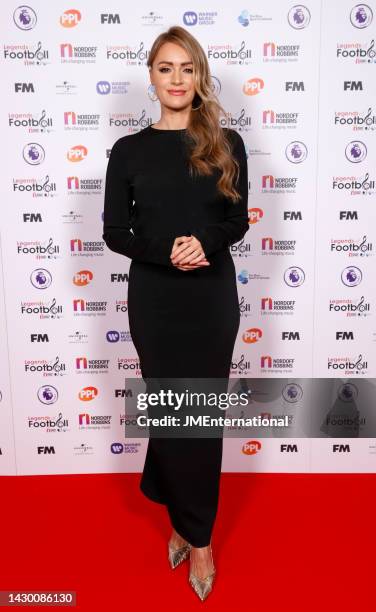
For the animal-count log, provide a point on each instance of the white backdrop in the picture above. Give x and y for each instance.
(298, 83)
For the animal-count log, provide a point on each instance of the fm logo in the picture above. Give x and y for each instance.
(119, 277)
(39, 338)
(353, 85)
(348, 215)
(289, 448)
(290, 335)
(294, 86)
(344, 335)
(123, 393)
(341, 448)
(32, 217)
(293, 215)
(110, 18)
(46, 450)
(24, 87)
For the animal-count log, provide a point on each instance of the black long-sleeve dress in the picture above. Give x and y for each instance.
(182, 323)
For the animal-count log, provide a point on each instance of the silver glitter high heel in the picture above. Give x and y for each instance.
(202, 587)
(178, 555)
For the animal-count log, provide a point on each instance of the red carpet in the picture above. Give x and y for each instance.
(285, 542)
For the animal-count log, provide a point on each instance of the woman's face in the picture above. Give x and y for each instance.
(172, 72)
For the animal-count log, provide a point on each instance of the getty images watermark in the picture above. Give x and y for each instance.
(242, 406)
(222, 401)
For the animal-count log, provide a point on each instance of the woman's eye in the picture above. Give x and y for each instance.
(165, 68)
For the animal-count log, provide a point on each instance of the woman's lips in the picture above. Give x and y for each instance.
(176, 92)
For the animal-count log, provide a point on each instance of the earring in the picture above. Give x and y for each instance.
(198, 107)
(151, 93)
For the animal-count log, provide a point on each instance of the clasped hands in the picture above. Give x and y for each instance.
(187, 253)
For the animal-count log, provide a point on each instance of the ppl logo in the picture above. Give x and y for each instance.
(190, 18)
(351, 276)
(77, 153)
(356, 151)
(82, 278)
(47, 394)
(251, 448)
(252, 87)
(299, 17)
(41, 278)
(33, 153)
(70, 18)
(255, 215)
(294, 277)
(25, 18)
(252, 335)
(361, 16)
(103, 88)
(87, 394)
(296, 152)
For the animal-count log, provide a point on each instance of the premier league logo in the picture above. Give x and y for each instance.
(361, 16)
(296, 152)
(33, 153)
(356, 151)
(41, 278)
(351, 276)
(299, 17)
(25, 18)
(294, 277)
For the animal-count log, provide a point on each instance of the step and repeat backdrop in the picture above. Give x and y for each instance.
(298, 83)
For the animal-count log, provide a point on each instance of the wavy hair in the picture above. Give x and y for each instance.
(209, 146)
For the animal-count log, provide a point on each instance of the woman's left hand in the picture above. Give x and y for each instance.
(187, 253)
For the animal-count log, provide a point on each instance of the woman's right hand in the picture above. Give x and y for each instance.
(186, 267)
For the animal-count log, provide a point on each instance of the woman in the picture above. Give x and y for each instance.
(188, 179)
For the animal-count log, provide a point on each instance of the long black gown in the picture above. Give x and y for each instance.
(182, 323)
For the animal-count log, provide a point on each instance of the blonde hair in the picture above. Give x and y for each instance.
(210, 148)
